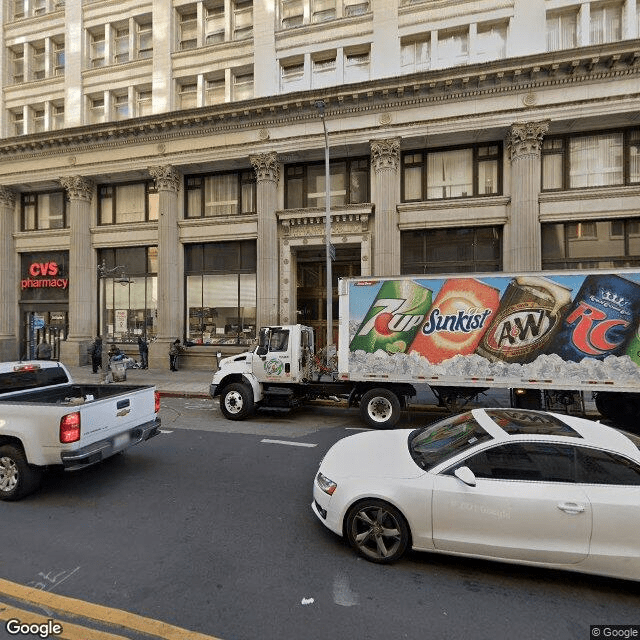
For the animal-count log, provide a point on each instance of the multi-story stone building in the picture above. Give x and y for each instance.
(163, 160)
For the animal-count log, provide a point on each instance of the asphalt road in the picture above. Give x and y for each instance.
(208, 527)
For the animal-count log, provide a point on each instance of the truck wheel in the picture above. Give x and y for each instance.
(621, 408)
(17, 477)
(236, 401)
(380, 408)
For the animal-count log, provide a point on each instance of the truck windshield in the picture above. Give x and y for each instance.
(436, 443)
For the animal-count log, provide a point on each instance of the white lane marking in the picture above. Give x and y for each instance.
(292, 444)
(358, 429)
(165, 431)
(343, 595)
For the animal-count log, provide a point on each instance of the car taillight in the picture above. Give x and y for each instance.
(70, 427)
(157, 397)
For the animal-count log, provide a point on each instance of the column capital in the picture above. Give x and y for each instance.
(7, 197)
(78, 187)
(167, 177)
(385, 153)
(525, 138)
(266, 167)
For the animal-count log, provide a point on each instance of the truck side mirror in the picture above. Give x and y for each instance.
(261, 351)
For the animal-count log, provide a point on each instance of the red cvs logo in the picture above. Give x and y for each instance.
(44, 269)
(590, 333)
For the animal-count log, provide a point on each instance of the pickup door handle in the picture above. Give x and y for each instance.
(123, 404)
(571, 507)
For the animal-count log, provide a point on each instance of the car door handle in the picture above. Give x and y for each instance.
(571, 507)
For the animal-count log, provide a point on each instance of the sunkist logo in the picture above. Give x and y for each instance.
(464, 321)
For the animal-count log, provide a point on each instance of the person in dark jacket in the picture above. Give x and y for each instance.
(43, 350)
(96, 354)
(174, 351)
(143, 350)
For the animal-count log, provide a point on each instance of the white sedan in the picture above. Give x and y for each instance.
(519, 486)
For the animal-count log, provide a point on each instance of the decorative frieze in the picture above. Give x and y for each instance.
(526, 138)
(266, 167)
(166, 177)
(7, 197)
(78, 187)
(385, 154)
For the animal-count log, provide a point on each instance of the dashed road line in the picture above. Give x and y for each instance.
(288, 442)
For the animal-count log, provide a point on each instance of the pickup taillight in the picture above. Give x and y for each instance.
(157, 398)
(70, 427)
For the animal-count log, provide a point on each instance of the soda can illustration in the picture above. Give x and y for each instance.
(457, 320)
(633, 347)
(529, 316)
(601, 320)
(393, 318)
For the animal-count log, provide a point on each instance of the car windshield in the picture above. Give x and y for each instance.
(436, 443)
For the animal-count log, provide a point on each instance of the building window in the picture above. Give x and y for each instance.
(17, 64)
(214, 27)
(452, 173)
(58, 57)
(221, 292)
(127, 203)
(292, 74)
(38, 7)
(291, 13)
(596, 244)
(188, 95)
(242, 86)
(57, 116)
(121, 45)
(144, 38)
(18, 9)
(242, 19)
(38, 120)
(606, 23)
(43, 211)
(188, 29)
(323, 69)
(305, 184)
(223, 194)
(414, 54)
(121, 109)
(453, 48)
(451, 250)
(215, 90)
(38, 62)
(562, 29)
(597, 160)
(323, 10)
(97, 46)
(143, 102)
(17, 122)
(356, 65)
(491, 42)
(96, 110)
(355, 7)
(131, 304)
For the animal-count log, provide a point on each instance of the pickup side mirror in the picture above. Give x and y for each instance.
(465, 475)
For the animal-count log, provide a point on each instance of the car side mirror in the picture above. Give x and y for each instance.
(465, 475)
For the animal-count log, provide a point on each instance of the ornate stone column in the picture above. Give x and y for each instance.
(170, 284)
(385, 160)
(267, 174)
(8, 278)
(82, 272)
(522, 241)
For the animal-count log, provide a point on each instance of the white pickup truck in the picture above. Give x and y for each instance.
(46, 420)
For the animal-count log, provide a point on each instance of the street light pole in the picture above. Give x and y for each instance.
(103, 272)
(327, 230)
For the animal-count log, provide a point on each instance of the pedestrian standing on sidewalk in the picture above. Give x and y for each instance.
(43, 350)
(96, 354)
(143, 349)
(174, 351)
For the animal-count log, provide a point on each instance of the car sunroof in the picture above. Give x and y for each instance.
(525, 422)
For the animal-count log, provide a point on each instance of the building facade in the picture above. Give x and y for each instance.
(162, 161)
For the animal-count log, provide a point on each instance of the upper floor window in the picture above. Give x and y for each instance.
(17, 122)
(356, 64)
(17, 64)
(188, 95)
(291, 13)
(562, 30)
(242, 19)
(606, 23)
(38, 61)
(452, 173)
(604, 159)
(491, 42)
(127, 203)
(121, 108)
(453, 48)
(121, 45)
(143, 102)
(43, 211)
(221, 194)
(242, 85)
(215, 90)
(292, 73)
(38, 119)
(97, 48)
(58, 56)
(214, 22)
(323, 10)
(414, 54)
(57, 116)
(355, 7)
(144, 38)
(188, 29)
(324, 69)
(28, 8)
(96, 110)
(305, 183)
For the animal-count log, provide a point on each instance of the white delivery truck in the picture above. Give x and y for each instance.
(532, 333)
(47, 420)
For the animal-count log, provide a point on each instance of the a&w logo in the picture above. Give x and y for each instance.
(521, 328)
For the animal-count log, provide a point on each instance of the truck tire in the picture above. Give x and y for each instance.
(620, 408)
(236, 401)
(380, 408)
(17, 477)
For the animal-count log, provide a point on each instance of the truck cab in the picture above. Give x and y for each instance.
(283, 354)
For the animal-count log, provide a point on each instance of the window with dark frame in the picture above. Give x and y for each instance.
(220, 194)
(601, 159)
(127, 203)
(454, 172)
(305, 183)
(43, 211)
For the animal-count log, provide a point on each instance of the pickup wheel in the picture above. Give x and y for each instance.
(17, 477)
(236, 401)
(380, 408)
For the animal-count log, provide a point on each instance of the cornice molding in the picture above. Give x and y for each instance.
(454, 203)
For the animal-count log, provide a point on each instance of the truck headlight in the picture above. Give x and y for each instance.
(327, 485)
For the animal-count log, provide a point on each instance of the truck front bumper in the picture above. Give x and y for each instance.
(92, 453)
(213, 390)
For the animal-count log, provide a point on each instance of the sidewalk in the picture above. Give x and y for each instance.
(185, 383)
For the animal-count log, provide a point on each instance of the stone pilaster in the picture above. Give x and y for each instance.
(8, 277)
(170, 305)
(82, 271)
(385, 160)
(522, 242)
(267, 172)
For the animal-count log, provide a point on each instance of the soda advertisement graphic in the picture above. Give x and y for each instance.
(520, 327)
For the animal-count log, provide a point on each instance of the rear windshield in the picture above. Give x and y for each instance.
(438, 442)
(31, 378)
